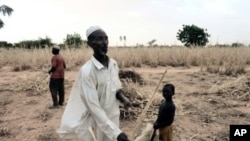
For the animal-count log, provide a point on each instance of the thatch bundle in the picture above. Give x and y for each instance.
(131, 75)
(138, 101)
(130, 81)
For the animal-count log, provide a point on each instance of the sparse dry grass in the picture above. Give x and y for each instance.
(48, 135)
(239, 89)
(44, 116)
(3, 111)
(4, 132)
(228, 61)
(5, 101)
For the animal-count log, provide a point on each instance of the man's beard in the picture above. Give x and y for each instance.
(103, 51)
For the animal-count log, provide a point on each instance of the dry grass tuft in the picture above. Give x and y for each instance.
(34, 86)
(213, 69)
(229, 70)
(31, 102)
(38, 86)
(3, 111)
(5, 101)
(4, 132)
(44, 116)
(22, 67)
(48, 136)
(234, 70)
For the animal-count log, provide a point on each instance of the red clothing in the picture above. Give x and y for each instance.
(58, 62)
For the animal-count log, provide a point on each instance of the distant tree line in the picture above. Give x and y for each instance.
(71, 41)
(191, 36)
(28, 44)
(235, 44)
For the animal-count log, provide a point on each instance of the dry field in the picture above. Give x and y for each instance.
(212, 90)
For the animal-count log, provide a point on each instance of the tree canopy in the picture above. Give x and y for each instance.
(4, 9)
(73, 40)
(193, 36)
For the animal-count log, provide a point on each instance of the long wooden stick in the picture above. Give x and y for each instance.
(92, 134)
(139, 120)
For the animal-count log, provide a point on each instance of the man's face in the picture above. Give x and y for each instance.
(99, 42)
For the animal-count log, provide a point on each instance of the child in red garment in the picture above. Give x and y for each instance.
(166, 114)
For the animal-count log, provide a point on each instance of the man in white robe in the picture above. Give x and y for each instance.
(95, 96)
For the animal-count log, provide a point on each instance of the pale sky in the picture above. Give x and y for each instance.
(227, 21)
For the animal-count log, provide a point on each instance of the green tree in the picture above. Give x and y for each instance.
(5, 44)
(73, 40)
(237, 44)
(4, 9)
(193, 36)
(31, 44)
(45, 42)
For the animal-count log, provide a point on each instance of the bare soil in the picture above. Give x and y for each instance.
(202, 114)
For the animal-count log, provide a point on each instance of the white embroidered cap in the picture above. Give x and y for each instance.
(92, 29)
(56, 47)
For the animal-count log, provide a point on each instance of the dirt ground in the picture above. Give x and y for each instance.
(202, 114)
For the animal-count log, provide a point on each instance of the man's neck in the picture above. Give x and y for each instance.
(103, 59)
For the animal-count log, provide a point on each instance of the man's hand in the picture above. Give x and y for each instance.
(127, 105)
(53, 68)
(119, 95)
(122, 137)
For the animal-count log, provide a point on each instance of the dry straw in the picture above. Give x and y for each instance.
(214, 60)
(239, 88)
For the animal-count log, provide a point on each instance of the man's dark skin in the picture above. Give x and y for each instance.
(98, 41)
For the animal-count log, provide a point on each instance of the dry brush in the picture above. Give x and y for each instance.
(228, 61)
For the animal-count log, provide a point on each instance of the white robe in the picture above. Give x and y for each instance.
(93, 103)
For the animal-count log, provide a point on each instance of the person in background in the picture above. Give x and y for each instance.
(56, 83)
(92, 112)
(166, 114)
